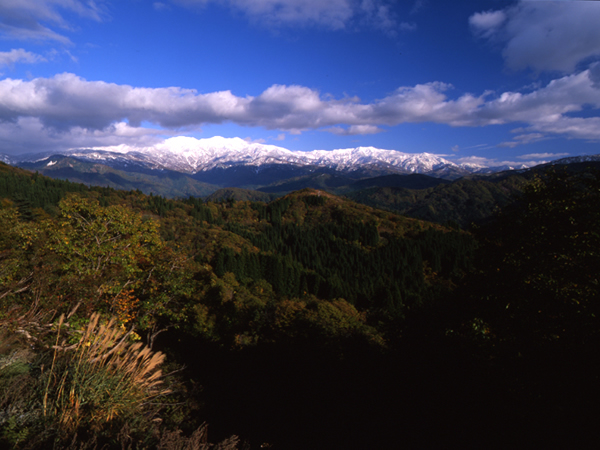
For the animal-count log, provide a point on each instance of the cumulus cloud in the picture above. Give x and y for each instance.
(19, 56)
(66, 102)
(332, 14)
(595, 75)
(543, 36)
(30, 135)
(38, 19)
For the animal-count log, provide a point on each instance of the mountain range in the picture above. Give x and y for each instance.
(192, 156)
(185, 166)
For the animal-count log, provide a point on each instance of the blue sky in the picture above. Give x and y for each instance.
(482, 80)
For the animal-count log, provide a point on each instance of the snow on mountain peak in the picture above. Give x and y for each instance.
(190, 155)
(186, 145)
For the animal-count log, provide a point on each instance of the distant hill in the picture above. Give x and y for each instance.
(342, 184)
(238, 194)
(327, 181)
(420, 186)
(411, 181)
(162, 182)
(463, 201)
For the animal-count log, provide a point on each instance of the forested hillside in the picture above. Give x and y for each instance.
(310, 321)
(164, 182)
(461, 202)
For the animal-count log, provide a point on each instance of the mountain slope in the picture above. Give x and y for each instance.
(463, 201)
(165, 182)
(190, 155)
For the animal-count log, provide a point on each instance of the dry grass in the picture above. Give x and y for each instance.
(88, 387)
(100, 378)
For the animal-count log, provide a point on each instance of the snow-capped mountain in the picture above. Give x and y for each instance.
(194, 155)
(190, 155)
(7, 159)
(183, 166)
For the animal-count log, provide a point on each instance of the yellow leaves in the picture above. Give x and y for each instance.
(286, 312)
(124, 306)
(134, 337)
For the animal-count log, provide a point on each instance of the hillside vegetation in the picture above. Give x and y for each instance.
(311, 321)
(461, 202)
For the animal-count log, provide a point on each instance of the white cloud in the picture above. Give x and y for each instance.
(595, 75)
(354, 130)
(546, 109)
(543, 35)
(543, 155)
(30, 135)
(67, 102)
(572, 127)
(19, 56)
(523, 139)
(486, 24)
(34, 19)
(364, 129)
(332, 14)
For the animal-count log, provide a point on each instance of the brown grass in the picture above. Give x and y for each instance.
(100, 378)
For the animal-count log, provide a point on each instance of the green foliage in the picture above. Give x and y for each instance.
(346, 259)
(310, 304)
(463, 202)
(91, 238)
(239, 195)
(91, 254)
(240, 315)
(32, 192)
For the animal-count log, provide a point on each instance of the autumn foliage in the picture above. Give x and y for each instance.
(127, 321)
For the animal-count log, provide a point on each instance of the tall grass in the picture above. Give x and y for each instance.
(85, 388)
(101, 378)
(78, 385)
